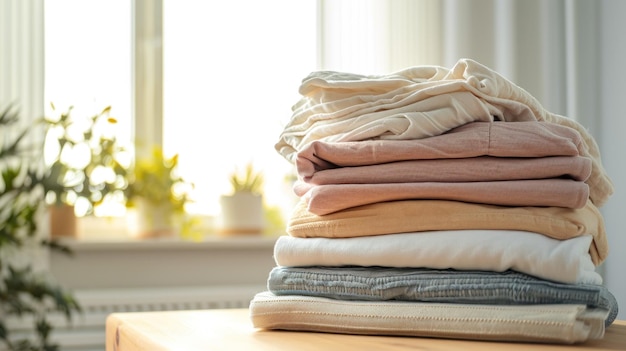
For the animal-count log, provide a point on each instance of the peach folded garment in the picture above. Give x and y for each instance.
(426, 215)
(417, 103)
(325, 199)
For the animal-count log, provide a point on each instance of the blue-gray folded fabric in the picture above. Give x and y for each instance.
(442, 286)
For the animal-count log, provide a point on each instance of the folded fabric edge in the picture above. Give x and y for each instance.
(428, 285)
(565, 324)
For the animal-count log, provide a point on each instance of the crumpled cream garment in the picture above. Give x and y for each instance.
(416, 103)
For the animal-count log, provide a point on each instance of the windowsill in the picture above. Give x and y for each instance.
(105, 256)
(114, 233)
(242, 242)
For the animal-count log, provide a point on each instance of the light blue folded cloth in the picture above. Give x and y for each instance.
(429, 285)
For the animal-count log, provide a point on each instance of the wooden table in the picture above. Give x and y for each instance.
(231, 329)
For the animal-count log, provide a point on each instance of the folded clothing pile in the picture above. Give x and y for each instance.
(440, 203)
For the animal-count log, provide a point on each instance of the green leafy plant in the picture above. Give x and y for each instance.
(248, 180)
(85, 165)
(24, 293)
(155, 179)
(160, 196)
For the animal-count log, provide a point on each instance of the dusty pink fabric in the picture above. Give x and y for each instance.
(474, 169)
(520, 139)
(325, 199)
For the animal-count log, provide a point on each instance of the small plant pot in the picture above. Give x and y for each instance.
(153, 221)
(242, 214)
(62, 221)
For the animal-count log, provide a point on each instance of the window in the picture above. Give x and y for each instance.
(87, 63)
(230, 75)
(87, 58)
(231, 70)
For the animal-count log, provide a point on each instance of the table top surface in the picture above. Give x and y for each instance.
(231, 329)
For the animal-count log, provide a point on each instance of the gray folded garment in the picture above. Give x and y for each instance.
(564, 323)
(432, 285)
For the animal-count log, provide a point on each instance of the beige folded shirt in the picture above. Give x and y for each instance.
(565, 324)
(426, 215)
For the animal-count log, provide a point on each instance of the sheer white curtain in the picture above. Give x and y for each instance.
(550, 48)
(21, 84)
(567, 53)
(22, 55)
(378, 36)
(610, 131)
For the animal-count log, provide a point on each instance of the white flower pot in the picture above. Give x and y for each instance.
(154, 221)
(242, 213)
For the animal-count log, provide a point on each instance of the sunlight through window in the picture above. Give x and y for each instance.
(231, 74)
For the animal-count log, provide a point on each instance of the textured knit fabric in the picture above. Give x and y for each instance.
(562, 323)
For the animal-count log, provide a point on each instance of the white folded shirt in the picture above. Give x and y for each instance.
(565, 261)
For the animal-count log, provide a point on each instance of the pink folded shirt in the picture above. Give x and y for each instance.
(521, 139)
(325, 199)
(473, 169)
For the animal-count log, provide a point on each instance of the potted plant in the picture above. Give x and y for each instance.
(26, 293)
(158, 194)
(242, 210)
(85, 167)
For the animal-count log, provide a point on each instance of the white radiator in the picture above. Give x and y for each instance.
(86, 332)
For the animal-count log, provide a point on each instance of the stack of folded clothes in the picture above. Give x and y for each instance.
(439, 203)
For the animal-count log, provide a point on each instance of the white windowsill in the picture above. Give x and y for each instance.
(209, 243)
(106, 257)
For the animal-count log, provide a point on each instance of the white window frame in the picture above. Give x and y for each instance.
(147, 70)
(147, 51)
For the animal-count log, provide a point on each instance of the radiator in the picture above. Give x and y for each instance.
(86, 331)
